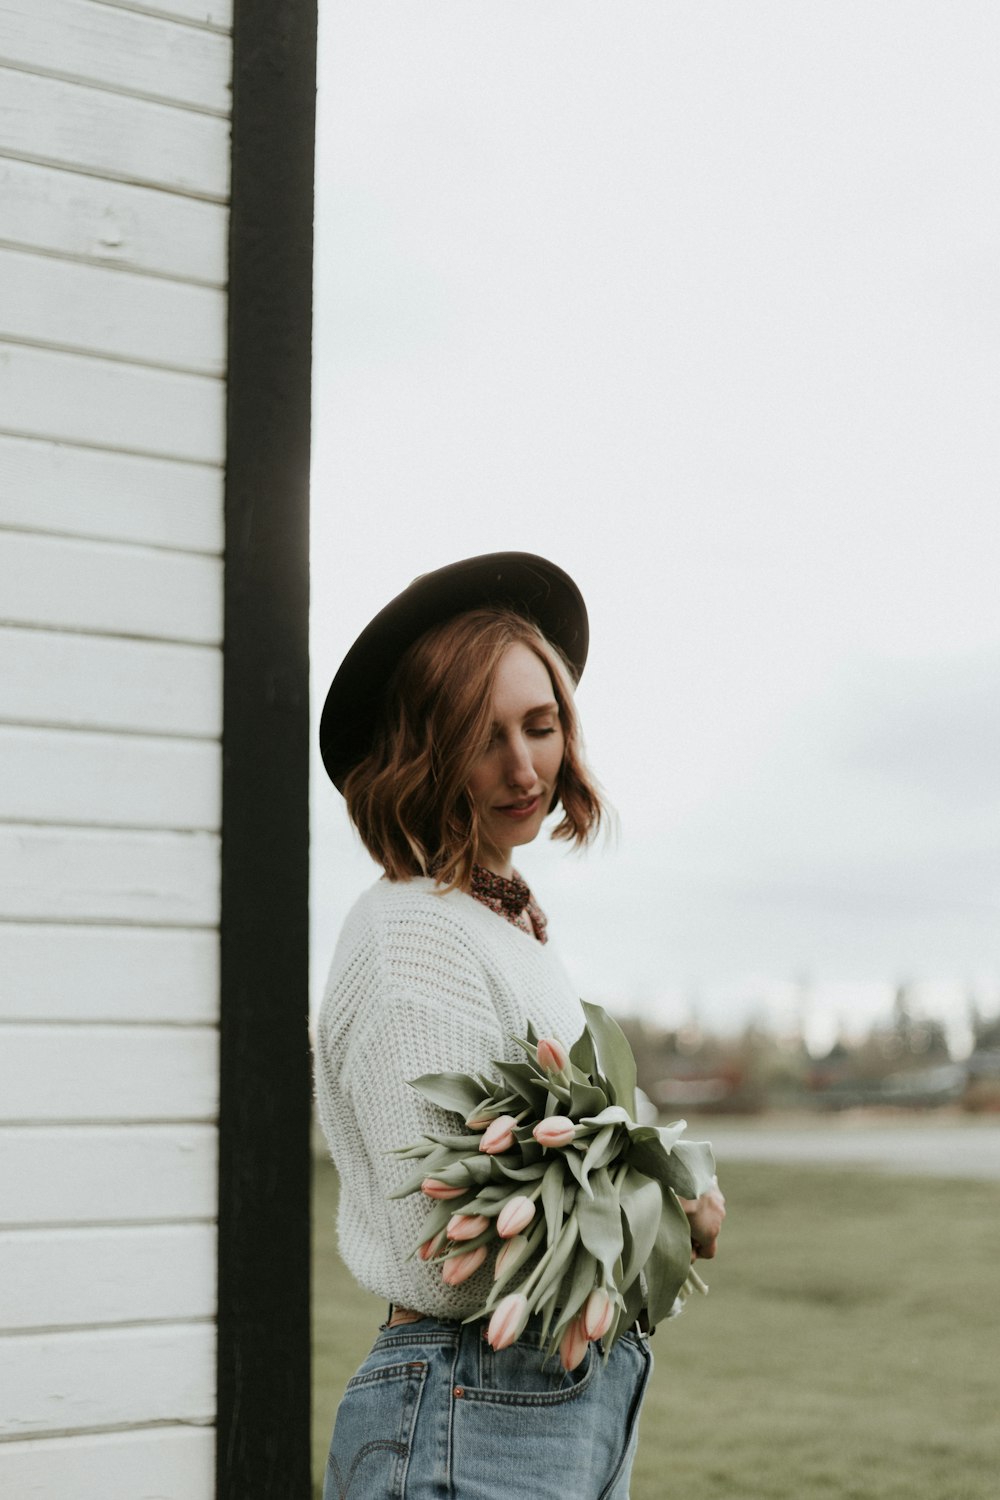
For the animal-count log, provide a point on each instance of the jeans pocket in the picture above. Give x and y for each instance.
(373, 1433)
(522, 1376)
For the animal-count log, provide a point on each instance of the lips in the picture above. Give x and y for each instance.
(521, 809)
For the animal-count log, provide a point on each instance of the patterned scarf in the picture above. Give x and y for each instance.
(509, 898)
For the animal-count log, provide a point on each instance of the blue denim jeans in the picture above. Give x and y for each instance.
(435, 1414)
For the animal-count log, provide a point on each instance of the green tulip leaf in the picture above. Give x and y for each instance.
(698, 1159)
(582, 1053)
(649, 1157)
(479, 1168)
(463, 1144)
(525, 1081)
(600, 1221)
(634, 1300)
(519, 1174)
(456, 1092)
(552, 1199)
(585, 1099)
(615, 1056)
(642, 1205)
(668, 1266)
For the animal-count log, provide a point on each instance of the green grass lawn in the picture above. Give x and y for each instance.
(850, 1346)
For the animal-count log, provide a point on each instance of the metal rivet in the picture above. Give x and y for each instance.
(459, 1390)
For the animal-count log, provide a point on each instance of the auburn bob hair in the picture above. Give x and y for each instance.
(409, 797)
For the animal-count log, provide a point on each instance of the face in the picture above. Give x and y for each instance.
(513, 781)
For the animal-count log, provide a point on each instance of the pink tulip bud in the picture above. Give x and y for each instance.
(557, 1130)
(434, 1188)
(516, 1214)
(510, 1256)
(573, 1346)
(498, 1135)
(433, 1246)
(551, 1055)
(467, 1226)
(598, 1312)
(508, 1320)
(477, 1120)
(458, 1268)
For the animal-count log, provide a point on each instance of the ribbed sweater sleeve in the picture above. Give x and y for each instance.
(420, 983)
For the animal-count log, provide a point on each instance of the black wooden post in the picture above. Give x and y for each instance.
(263, 1351)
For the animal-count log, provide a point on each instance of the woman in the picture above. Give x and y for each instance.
(451, 730)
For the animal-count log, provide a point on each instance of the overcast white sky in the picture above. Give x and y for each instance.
(699, 300)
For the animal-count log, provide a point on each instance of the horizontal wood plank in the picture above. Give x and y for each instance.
(66, 584)
(113, 223)
(213, 13)
(101, 682)
(131, 140)
(118, 49)
(66, 776)
(128, 1274)
(101, 403)
(101, 310)
(55, 1382)
(106, 1072)
(107, 1174)
(161, 1463)
(108, 974)
(77, 875)
(50, 487)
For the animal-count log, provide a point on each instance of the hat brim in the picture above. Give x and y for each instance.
(529, 585)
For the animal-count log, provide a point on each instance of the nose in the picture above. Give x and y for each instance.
(520, 768)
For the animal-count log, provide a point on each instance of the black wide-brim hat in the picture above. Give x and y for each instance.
(530, 586)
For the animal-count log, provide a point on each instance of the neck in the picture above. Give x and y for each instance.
(497, 861)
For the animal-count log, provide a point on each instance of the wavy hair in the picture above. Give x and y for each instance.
(409, 797)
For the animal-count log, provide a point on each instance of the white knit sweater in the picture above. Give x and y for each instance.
(421, 982)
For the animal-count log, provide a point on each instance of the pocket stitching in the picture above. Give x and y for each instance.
(486, 1394)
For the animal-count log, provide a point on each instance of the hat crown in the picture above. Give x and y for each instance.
(531, 586)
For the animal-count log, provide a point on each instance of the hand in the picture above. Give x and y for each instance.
(705, 1216)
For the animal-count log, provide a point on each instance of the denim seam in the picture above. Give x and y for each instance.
(404, 1467)
(632, 1424)
(387, 1372)
(450, 1454)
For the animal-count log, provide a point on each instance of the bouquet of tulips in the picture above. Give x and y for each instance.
(577, 1200)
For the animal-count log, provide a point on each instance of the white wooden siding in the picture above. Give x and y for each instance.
(103, 875)
(110, 588)
(55, 1175)
(214, 14)
(93, 682)
(129, 140)
(106, 310)
(114, 179)
(74, 398)
(111, 1073)
(109, 1377)
(113, 1466)
(136, 975)
(133, 781)
(87, 492)
(150, 1465)
(125, 1273)
(110, 223)
(78, 40)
